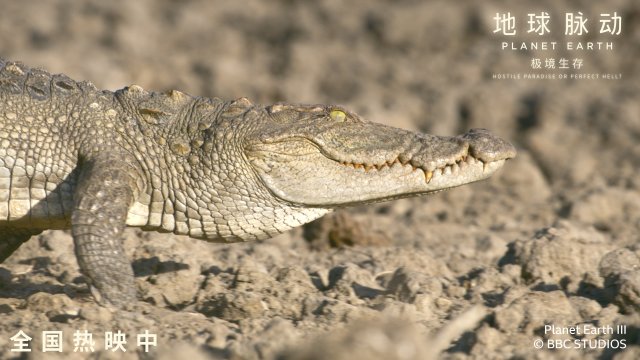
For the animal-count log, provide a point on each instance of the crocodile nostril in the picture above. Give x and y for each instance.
(487, 147)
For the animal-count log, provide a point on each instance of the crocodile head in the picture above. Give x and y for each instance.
(322, 156)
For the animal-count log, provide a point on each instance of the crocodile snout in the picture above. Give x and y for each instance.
(485, 146)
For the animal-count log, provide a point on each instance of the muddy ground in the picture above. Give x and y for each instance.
(476, 272)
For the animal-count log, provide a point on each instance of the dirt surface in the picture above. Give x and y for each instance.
(477, 272)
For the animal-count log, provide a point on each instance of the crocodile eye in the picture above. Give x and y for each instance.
(338, 115)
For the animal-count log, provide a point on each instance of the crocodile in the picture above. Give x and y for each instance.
(95, 161)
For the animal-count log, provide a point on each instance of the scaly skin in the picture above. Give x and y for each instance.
(72, 156)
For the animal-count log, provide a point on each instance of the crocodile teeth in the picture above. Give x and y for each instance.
(449, 169)
(484, 165)
(428, 175)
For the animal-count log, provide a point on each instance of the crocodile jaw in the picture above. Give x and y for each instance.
(307, 176)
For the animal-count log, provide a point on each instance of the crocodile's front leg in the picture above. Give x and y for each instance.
(108, 184)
